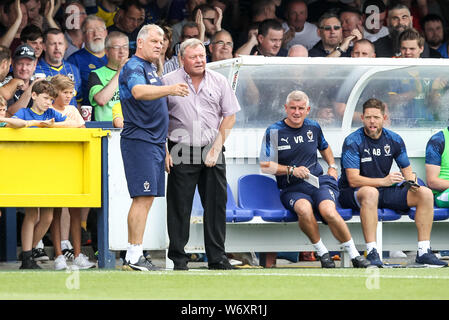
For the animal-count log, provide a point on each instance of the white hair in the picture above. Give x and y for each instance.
(190, 43)
(297, 95)
(143, 33)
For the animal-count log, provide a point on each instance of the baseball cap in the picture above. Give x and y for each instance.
(24, 51)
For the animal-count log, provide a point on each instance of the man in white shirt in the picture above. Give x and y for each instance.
(297, 29)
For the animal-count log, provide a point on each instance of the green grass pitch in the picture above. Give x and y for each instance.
(253, 284)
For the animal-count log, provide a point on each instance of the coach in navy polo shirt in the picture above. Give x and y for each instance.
(289, 152)
(142, 143)
(366, 182)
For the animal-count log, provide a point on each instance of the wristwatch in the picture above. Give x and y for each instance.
(339, 50)
(334, 166)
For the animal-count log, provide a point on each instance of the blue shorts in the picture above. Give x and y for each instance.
(394, 198)
(144, 165)
(328, 191)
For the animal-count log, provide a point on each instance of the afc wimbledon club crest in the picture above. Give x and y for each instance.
(310, 135)
(146, 186)
(387, 150)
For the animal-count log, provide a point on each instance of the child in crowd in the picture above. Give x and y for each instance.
(65, 87)
(18, 123)
(42, 94)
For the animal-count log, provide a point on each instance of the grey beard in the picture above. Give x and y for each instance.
(95, 48)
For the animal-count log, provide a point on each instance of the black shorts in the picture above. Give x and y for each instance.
(394, 198)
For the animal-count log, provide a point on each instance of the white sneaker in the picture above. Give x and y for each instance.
(60, 263)
(82, 262)
(397, 254)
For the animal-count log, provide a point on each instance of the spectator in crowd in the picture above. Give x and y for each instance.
(168, 61)
(363, 48)
(103, 82)
(33, 8)
(297, 29)
(418, 9)
(53, 63)
(17, 123)
(8, 85)
(42, 13)
(33, 36)
(13, 18)
(23, 67)
(319, 8)
(332, 43)
(269, 41)
(374, 13)
(437, 166)
(93, 55)
(74, 16)
(178, 25)
(33, 230)
(351, 19)
(130, 18)
(366, 183)
(64, 86)
(106, 10)
(411, 95)
(221, 46)
(433, 29)
(189, 30)
(298, 50)
(208, 20)
(398, 20)
(297, 162)
(218, 106)
(143, 137)
(262, 10)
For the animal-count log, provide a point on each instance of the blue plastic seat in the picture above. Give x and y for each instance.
(233, 212)
(261, 194)
(438, 213)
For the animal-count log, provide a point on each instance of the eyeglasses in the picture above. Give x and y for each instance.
(124, 47)
(222, 43)
(329, 28)
(99, 29)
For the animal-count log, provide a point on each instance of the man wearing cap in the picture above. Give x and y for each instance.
(23, 67)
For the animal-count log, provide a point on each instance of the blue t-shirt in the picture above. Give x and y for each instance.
(86, 62)
(66, 69)
(373, 158)
(29, 114)
(293, 147)
(435, 149)
(145, 120)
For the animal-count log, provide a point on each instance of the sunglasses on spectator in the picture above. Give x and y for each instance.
(329, 28)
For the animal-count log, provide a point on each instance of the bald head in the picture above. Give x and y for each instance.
(298, 51)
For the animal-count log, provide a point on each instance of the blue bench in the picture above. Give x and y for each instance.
(233, 212)
(261, 194)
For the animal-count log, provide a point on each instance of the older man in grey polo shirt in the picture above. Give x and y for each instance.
(198, 127)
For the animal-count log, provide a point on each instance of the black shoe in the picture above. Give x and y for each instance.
(69, 254)
(360, 262)
(28, 261)
(142, 264)
(326, 261)
(39, 254)
(181, 267)
(222, 265)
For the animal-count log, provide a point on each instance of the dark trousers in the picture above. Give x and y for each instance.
(212, 187)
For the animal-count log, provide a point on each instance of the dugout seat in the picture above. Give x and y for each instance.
(260, 193)
(438, 213)
(233, 212)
